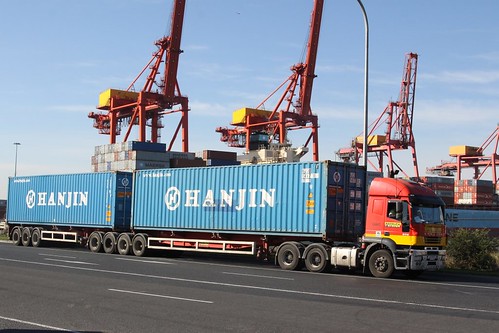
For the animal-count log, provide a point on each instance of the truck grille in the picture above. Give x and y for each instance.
(432, 240)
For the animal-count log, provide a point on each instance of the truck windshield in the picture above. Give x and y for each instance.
(427, 214)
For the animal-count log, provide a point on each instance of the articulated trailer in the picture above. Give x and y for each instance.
(313, 214)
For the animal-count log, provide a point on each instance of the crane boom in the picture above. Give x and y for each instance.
(312, 47)
(173, 50)
(398, 116)
(147, 107)
(473, 158)
(292, 112)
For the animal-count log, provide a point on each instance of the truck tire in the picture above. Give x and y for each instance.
(316, 259)
(139, 245)
(95, 241)
(26, 236)
(288, 257)
(124, 244)
(36, 237)
(109, 242)
(16, 236)
(381, 264)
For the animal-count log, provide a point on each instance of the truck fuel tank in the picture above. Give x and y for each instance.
(344, 256)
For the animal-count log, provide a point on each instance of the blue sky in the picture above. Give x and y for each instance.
(58, 55)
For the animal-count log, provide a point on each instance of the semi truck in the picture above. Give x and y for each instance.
(320, 215)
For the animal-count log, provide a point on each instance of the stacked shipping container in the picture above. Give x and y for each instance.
(218, 158)
(133, 155)
(463, 192)
(442, 186)
(474, 192)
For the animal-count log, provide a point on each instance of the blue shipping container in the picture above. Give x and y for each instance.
(98, 200)
(313, 199)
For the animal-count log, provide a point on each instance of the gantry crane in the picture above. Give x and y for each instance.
(398, 116)
(127, 108)
(472, 157)
(257, 126)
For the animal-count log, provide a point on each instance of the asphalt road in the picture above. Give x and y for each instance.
(52, 289)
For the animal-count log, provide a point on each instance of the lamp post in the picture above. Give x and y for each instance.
(17, 144)
(366, 79)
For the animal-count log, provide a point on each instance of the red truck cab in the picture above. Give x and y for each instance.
(407, 219)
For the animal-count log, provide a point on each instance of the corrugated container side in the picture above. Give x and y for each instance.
(215, 162)
(217, 155)
(80, 200)
(186, 163)
(468, 218)
(143, 146)
(373, 174)
(308, 199)
(346, 205)
(263, 199)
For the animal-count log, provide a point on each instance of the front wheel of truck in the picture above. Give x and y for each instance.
(381, 264)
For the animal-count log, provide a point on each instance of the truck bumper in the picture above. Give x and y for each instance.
(427, 260)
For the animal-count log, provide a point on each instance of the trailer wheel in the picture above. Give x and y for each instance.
(124, 244)
(36, 237)
(289, 257)
(16, 236)
(109, 242)
(95, 241)
(139, 245)
(316, 259)
(26, 236)
(381, 264)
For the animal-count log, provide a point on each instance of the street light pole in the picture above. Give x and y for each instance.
(17, 144)
(366, 79)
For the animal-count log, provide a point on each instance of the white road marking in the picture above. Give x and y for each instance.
(72, 261)
(190, 262)
(287, 291)
(447, 284)
(148, 261)
(161, 296)
(35, 324)
(259, 276)
(55, 255)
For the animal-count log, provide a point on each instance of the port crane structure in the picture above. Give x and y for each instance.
(257, 126)
(160, 95)
(476, 158)
(398, 117)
